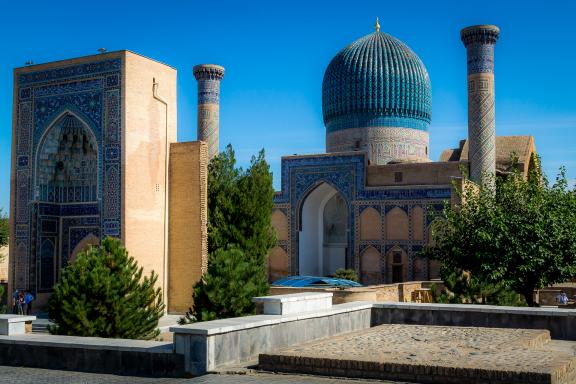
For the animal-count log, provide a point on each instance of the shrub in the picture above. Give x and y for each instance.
(103, 294)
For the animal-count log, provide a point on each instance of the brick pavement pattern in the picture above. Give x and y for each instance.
(433, 354)
(20, 375)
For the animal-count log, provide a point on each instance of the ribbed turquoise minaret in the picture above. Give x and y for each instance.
(208, 77)
(376, 98)
(479, 41)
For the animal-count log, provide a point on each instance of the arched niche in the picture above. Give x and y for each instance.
(397, 224)
(370, 266)
(417, 223)
(280, 224)
(277, 264)
(67, 162)
(370, 224)
(323, 235)
(86, 242)
(397, 265)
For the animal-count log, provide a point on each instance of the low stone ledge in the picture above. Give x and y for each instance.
(533, 311)
(294, 302)
(210, 345)
(558, 321)
(216, 327)
(14, 324)
(92, 354)
(98, 343)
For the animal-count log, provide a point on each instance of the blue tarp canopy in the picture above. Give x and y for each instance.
(314, 281)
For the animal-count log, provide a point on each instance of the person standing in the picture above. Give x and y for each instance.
(20, 308)
(15, 296)
(28, 299)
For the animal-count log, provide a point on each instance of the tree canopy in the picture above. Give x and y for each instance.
(240, 235)
(103, 294)
(520, 235)
(3, 229)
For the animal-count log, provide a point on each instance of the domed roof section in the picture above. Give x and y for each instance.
(376, 81)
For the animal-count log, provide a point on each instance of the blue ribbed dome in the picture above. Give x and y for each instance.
(377, 81)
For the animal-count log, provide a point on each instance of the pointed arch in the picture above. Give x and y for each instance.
(370, 224)
(323, 231)
(66, 165)
(370, 266)
(397, 265)
(397, 224)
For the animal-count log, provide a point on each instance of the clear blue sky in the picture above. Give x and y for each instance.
(275, 54)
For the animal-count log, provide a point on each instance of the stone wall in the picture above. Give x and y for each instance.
(399, 292)
(213, 344)
(92, 354)
(150, 127)
(437, 173)
(558, 321)
(188, 241)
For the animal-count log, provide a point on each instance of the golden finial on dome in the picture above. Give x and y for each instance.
(377, 26)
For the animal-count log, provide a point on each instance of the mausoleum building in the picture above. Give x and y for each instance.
(366, 203)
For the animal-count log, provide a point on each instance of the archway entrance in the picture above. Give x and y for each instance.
(66, 194)
(323, 235)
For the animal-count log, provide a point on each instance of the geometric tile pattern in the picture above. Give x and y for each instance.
(208, 77)
(376, 97)
(346, 172)
(91, 93)
(479, 42)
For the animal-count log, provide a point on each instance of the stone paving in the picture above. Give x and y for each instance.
(19, 375)
(433, 354)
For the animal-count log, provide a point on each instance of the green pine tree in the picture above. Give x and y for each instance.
(228, 287)
(103, 294)
(239, 227)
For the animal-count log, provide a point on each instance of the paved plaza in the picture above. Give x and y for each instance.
(19, 375)
(434, 354)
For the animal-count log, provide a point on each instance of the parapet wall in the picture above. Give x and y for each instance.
(560, 322)
(398, 292)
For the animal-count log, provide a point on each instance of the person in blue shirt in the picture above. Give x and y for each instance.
(28, 299)
(562, 298)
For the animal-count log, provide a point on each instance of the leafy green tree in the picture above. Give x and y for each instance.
(461, 287)
(520, 235)
(103, 294)
(348, 274)
(239, 227)
(3, 230)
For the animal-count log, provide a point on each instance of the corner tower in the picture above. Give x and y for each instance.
(376, 97)
(209, 76)
(479, 41)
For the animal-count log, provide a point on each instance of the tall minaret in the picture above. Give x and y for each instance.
(479, 41)
(209, 76)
